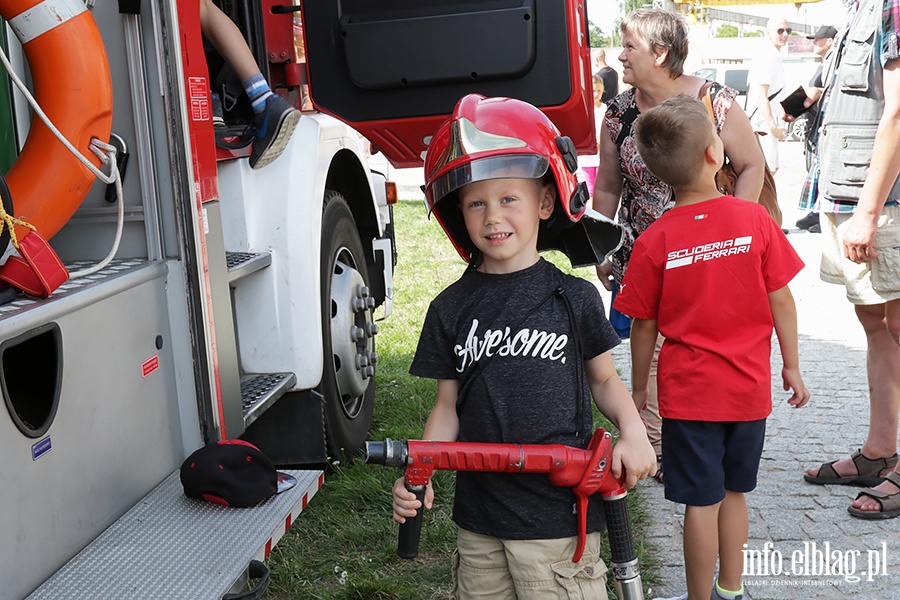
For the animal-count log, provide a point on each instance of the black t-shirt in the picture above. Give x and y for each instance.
(610, 83)
(816, 79)
(508, 340)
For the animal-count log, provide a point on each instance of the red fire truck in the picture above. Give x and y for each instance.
(208, 300)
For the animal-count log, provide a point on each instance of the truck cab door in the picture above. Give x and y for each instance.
(394, 69)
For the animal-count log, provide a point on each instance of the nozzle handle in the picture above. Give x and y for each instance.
(618, 527)
(411, 530)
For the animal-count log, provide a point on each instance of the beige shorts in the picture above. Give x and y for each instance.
(875, 282)
(489, 568)
(769, 144)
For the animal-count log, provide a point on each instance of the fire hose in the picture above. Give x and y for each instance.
(584, 471)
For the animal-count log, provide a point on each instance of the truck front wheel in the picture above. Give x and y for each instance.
(348, 377)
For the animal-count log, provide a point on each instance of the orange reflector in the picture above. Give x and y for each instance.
(390, 192)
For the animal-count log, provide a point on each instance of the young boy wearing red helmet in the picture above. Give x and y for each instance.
(518, 349)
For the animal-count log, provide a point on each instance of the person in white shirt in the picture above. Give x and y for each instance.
(766, 82)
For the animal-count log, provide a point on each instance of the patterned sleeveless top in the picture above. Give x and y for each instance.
(644, 197)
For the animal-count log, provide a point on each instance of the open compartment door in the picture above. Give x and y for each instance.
(394, 69)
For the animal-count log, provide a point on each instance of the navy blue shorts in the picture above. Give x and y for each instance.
(702, 459)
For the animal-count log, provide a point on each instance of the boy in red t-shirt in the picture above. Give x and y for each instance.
(711, 276)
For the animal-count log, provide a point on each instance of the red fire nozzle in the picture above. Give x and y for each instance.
(585, 471)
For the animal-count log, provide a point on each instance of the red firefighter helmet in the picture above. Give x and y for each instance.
(500, 138)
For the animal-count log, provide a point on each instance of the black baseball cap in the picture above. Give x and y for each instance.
(232, 473)
(825, 31)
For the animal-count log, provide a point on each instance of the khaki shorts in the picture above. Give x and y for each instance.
(875, 282)
(489, 568)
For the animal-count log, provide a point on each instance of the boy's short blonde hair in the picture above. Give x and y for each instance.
(673, 137)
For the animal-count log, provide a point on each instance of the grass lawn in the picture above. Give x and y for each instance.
(344, 544)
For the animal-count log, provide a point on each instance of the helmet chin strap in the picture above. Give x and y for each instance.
(579, 198)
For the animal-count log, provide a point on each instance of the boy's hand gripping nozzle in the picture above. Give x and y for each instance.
(585, 471)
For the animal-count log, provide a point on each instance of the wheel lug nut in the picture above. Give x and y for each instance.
(357, 334)
(371, 329)
(361, 362)
(362, 291)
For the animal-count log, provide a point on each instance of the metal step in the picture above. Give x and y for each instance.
(260, 390)
(172, 546)
(119, 274)
(241, 264)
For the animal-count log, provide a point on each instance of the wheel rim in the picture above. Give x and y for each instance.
(352, 331)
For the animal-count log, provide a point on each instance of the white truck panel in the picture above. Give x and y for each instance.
(268, 210)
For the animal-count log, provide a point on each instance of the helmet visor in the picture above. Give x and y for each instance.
(514, 166)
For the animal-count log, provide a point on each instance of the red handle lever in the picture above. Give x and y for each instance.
(594, 479)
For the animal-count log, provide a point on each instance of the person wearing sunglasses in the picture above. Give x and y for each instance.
(766, 84)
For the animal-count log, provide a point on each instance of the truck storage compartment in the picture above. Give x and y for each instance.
(395, 69)
(89, 384)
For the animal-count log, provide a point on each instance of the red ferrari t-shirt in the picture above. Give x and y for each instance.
(704, 272)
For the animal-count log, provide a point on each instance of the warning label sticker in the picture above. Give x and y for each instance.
(150, 365)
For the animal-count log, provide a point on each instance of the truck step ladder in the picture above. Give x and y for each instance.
(172, 546)
(241, 264)
(260, 390)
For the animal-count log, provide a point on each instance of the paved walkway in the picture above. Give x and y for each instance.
(790, 519)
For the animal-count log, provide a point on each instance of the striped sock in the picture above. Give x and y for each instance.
(257, 91)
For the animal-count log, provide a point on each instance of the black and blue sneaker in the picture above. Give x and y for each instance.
(273, 130)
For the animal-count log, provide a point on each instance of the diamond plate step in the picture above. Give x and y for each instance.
(172, 546)
(241, 264)
(260, 390)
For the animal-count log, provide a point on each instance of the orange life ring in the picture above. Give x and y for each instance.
(73, 86)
